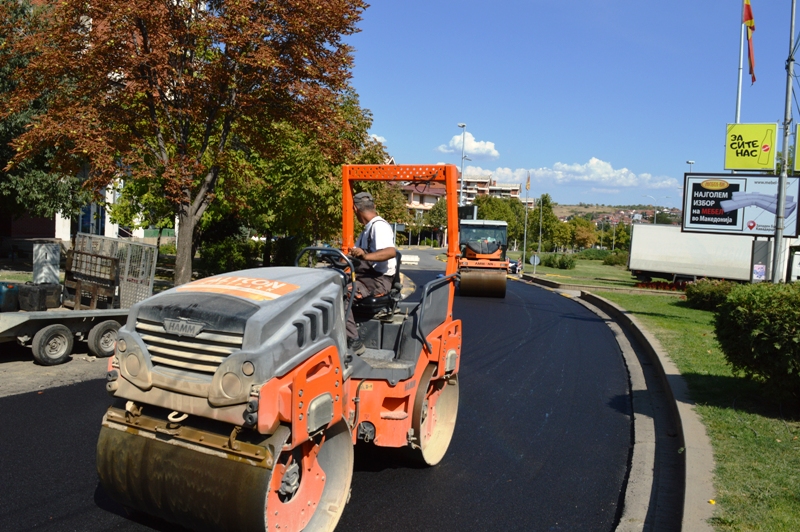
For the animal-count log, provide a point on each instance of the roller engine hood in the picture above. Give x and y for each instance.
(196, 337)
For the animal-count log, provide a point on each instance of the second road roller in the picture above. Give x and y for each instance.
(237, 404)
(483, 265)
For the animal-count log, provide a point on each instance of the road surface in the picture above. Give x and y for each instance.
(542, 441)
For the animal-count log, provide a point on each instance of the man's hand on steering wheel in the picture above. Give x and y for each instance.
(357, 253)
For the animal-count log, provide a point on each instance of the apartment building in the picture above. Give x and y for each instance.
(475, 186)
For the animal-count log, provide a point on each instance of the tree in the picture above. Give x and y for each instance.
(664, 218)
(516, 226)
(509, 210)
(622, 237)
(549, 223)
(176, 91)
(562, 236)
(295, 194)
(584, 232)
(437, 216)
(32, 187)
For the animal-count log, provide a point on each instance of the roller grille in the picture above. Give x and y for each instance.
(201, 354)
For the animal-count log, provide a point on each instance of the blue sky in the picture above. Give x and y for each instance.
(603, 102)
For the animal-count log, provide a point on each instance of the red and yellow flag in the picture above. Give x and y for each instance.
(749, 21)
(528, 184)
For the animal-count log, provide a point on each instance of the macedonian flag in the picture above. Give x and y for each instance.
(749, 21)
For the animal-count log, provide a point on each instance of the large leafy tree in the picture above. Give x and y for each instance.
(543, 216)
(31, 187)
(296, 191)
(509, 210)
(584, 234)
(437, 215)
(621, 237)
(173, 91)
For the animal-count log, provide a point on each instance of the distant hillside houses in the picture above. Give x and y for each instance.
(631, 216)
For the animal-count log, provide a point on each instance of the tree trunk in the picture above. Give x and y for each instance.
(183, 256)
(158, 244)
(267, 249)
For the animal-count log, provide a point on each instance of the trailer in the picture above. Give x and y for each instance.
(104, 277)
(665, 252)
(51, 334)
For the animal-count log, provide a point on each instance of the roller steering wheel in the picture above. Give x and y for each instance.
(339, 263)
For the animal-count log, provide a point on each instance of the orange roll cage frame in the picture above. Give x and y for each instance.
(441, 173)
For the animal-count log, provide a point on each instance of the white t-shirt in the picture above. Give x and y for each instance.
(378, 235)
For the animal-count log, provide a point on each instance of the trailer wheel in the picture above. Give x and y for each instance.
(103, 338)
(52, 345)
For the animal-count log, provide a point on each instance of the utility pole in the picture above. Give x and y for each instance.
(463, 127)
(777, 272)
(539, 247)
(525, 230)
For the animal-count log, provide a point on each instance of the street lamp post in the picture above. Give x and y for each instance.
(463, 127)
(614, 237)
(655, 208)
(655, 212)
(690, 163)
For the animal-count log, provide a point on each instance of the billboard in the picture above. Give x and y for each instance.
(751, 147)
(738, 204)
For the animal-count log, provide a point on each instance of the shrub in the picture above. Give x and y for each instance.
(758, 328)
(618, 258)
(228, 255)
(286, 249)
(593, 254)
(707, 294)
(168, 249)
(562, 262)
(429, 242)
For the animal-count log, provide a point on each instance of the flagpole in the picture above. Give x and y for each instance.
(741, 63)
(539, 248)
(777, 273)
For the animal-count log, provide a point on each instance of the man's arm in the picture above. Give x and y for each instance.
(376, 256)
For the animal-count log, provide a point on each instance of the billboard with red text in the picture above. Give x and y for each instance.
(739, 204)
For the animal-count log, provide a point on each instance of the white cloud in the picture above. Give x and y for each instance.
(472, 147)
(378, 138)
(601, 174)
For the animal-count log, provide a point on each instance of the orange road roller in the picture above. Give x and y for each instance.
(483, 265)
(237, 404)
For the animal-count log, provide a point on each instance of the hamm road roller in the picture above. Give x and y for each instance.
(237, 404)
(483, 264)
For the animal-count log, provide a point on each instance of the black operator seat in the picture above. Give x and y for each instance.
(384, 304)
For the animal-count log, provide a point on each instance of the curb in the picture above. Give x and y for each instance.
(641, 476)
(699, 461)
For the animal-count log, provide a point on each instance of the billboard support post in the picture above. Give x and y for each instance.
(787, 120)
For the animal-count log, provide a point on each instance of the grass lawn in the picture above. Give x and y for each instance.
(586, 272)
(755, 438)
(19, 277)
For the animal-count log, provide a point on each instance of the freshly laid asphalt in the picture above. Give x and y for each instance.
(543, 438)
